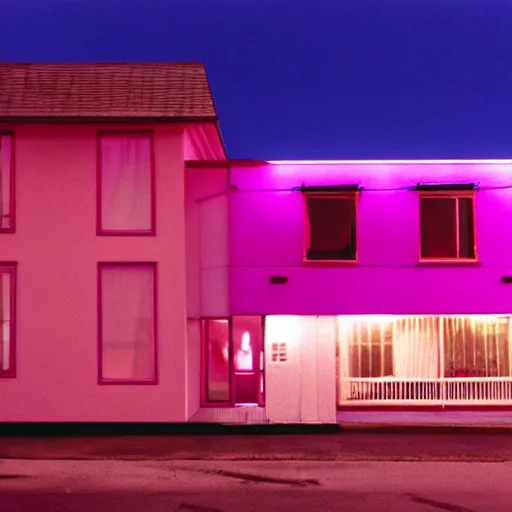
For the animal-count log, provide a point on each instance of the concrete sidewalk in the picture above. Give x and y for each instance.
(425, 419)
(380, 445)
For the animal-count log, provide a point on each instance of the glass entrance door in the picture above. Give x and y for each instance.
(232, 361)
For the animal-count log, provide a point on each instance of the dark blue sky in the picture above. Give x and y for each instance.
(307, 78)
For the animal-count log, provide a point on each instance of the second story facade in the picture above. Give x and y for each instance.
(369, 237)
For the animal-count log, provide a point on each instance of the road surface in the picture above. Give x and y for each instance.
(216, 486)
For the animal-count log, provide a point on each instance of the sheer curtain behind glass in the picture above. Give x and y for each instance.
(126, 182)
(477, 346)
(416, 347)
(127, 316)
(5, 322)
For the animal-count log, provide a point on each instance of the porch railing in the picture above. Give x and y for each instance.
(469, 391)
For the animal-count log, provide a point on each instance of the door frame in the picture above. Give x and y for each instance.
(204, 402)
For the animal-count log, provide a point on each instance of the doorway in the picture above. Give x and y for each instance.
(232, 365)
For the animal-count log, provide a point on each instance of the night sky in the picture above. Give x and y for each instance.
(307, 79)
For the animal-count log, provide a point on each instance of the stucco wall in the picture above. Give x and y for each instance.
(267, 235)
(57, 251)
(207, 259)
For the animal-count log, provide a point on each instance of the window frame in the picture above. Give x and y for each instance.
(205, 360)
(100, 231)
(12, 186)
(306, 240)
(230, 403)
(130, 382)
(11, 267)
(455, 195)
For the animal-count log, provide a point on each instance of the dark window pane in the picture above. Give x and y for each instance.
(438, 227)
(332, 228)
(466, 228)
(217, 338)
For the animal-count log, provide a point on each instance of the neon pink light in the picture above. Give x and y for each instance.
(433, 162)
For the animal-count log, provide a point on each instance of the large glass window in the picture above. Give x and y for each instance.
(127, 344)
(427, 358)
(476, 346)
(125, 183)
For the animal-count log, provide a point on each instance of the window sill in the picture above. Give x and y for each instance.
(126, 233)
(331, 263)
(449, 263)
(226, 405)
(114, 382)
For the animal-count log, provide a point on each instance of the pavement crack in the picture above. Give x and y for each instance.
(189, 507)
(251, 477)
(441, 505)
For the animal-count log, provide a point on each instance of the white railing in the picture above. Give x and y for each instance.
(425, 391)
(493, 390)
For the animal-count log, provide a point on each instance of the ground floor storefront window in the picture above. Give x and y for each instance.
(435, 359)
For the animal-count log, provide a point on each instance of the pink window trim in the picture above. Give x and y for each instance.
(454, 261)
(204, 364)
(306, 227)
(12, 205)
(105, 232)
(10, 268)
(154, 380)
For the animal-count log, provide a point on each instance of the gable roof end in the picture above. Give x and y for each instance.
(163, 91)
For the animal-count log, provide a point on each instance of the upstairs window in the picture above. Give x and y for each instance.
(127, 323)
(6, 184)
(7, 320)
(447, 227)
(126, 204)
(330, 227)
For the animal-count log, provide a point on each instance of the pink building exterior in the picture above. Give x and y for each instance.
(147, 278)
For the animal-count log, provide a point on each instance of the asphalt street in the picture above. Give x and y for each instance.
(213, 486)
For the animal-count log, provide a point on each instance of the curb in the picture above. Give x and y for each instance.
(427, 428)
(161, 429)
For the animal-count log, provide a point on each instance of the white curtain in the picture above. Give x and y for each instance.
(126, 182)
(128, 322)
(5, 320)
(416, 347)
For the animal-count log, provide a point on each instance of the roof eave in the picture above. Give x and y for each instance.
(107, 119)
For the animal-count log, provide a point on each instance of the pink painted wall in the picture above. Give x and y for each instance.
(267, 229)
(57, 251)
(207, 262)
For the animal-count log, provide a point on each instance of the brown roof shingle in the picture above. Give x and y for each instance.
(164, 91)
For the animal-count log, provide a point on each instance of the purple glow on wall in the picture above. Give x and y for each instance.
(267, 221)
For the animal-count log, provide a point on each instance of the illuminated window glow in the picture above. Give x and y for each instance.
(330, 227)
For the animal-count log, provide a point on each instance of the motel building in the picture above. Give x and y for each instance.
(146, 277)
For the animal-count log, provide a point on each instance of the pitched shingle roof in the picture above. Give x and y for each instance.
(164, 91)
